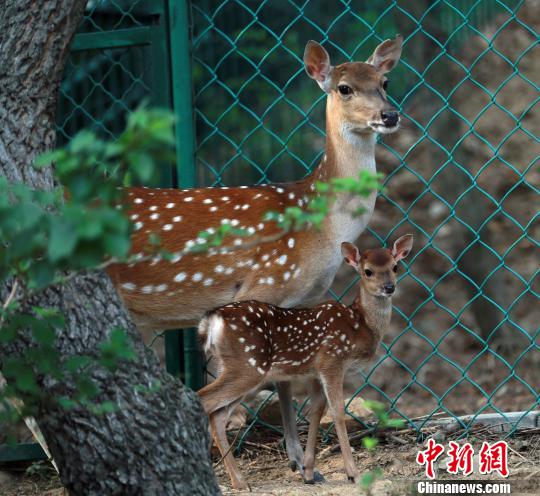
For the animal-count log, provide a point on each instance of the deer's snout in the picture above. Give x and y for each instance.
(389, 117)
(389, 288)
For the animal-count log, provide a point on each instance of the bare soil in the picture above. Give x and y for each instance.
(263, 462)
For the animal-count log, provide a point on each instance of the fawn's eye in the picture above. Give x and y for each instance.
(385, 85)
(368, 273)
(394, 268)
(344, 89)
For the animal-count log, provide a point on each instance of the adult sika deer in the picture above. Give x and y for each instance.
(293, 270)
(256, 342)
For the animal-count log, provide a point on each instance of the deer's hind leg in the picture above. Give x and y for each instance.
(218, 399)
(218, 426)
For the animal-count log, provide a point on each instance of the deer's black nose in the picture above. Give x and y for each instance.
(389, 288)
(390, 118)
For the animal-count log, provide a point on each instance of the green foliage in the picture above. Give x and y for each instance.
(370, 442)
(48, 236)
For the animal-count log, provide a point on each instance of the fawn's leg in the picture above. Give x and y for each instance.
(217, 398)
(290, 431)
(226, 389)
(332, 382)
(218, 423)
(316, 411)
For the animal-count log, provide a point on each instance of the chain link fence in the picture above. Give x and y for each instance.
(461, 174)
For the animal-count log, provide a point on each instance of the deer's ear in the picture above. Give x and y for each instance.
(350, 254)
(402, 247)
(317, 64)
(386, 55)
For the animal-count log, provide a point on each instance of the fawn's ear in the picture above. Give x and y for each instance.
(317, 64)
(402, 247)
(386, 55)
(350, 254)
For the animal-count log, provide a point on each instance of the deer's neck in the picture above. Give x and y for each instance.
(376, 311)
(346, 154)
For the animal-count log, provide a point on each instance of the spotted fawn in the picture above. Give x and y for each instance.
(256, 342)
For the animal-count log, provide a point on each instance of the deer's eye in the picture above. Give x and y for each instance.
(368, 273)
(385, 85)
(394, 268)
(344, 89)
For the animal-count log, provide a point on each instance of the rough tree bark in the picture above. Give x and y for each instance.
(154, 443)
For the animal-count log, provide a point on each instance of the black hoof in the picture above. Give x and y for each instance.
(351, 479)
(318, 477)
(309, 481)
(293, 466)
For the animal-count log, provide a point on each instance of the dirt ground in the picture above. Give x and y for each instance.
(264, 464)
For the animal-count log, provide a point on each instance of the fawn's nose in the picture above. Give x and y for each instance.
(389, 118)
(389, 288)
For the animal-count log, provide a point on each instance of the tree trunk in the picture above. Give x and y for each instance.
(154, 442)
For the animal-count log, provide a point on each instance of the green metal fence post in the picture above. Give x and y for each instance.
(180, 50)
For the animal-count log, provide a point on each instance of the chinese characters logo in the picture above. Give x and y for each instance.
(492, 458)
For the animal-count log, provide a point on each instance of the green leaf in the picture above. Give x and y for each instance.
(77, 362)
(26, 380)
(47, 158)
(62, 241)
(66, 403)
(117, 245)
(43, 333)
(370, 443)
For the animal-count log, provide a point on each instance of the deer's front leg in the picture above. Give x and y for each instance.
(290, 431)
(332, 382)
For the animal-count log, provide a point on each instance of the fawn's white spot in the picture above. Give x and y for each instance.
(282, 260)
(181, 276)
(188, 198)
(154, 216)
(252, 362)
(207, 200)
(169, 205)
(129, 286)
(153, 208)
(219, 269)
(177, 218)
(147, 289)
(134, 217)
(138, 225)
(160, 288)
(138, 200)
(290, 242)
(167, 227)
(286, 276)
(197, 277)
